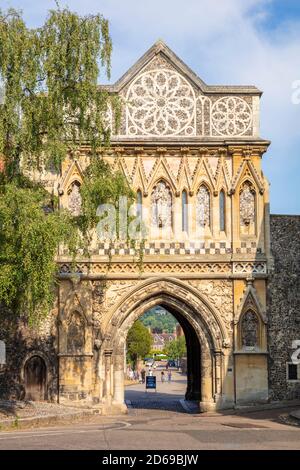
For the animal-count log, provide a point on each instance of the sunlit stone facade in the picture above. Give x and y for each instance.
(192, 153)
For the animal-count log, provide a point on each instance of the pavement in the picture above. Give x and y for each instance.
(168, 396)
(158, 421)
(26, 414)
(296, 414)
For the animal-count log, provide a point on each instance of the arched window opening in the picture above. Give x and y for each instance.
(203, 207)
(161, 204)
(250, 330)
(76, 334)
(222, 210)
(74, 198)
(139, 204)
(184, 202)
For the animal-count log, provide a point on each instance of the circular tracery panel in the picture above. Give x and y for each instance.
(161, 102)
(231, 116)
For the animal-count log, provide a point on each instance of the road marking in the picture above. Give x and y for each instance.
(17, 435)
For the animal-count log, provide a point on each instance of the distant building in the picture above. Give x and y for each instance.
(178, 331)
(161, 339)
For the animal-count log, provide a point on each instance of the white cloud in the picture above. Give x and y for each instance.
(226, 42)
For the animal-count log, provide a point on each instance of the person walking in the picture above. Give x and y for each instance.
(162, 376)
(143, 374)
(169, 375)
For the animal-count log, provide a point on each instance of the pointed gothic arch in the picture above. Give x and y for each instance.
(139, 201)
(76, 333)
(76, 311)
(184, 211)
(162, 205)
(247, 208)
(250, 322)
(249, 330)
(204, 330)
(203, 206)
(222, 210)
(74, 198)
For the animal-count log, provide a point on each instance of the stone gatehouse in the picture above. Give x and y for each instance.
(192, 153)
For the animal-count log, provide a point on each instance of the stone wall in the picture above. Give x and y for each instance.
(23, 342)
(283, 303)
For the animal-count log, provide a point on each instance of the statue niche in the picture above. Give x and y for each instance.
(76, 334)
(249, 330)
(203, 207)
(74, 199)
(161, 203)
(247, 209)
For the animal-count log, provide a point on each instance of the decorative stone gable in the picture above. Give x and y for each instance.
(165, 99)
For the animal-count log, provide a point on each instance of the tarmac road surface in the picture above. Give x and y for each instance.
(158, 421)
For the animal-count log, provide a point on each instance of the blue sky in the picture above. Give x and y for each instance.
(225, 42)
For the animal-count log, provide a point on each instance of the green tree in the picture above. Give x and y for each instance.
(176, 349)
(157, 320)
(139, 342)
(51, 100)
(50, 104)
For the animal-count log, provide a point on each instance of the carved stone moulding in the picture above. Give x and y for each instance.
(152, 267)
(193, 269)
(258, 267)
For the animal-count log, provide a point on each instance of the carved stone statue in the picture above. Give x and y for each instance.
(161, 203)
(203, 207)
(75, 199)
(249, 330)
(247, 205)
(76, 334)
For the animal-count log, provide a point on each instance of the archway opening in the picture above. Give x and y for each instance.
(174, 358)
(201, 325)
(35, 377)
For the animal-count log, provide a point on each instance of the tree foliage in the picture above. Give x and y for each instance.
(28, 240)
(101, 186)
(50, 104)
(159, 321)
(50, 79)
(139, 341)
(176, 349)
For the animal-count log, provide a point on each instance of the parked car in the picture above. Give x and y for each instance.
(171, 363)
(149, 362)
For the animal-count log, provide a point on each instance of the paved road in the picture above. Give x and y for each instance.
(151, 428)
(168, 395)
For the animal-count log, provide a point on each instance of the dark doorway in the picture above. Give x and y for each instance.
(169, 330)
(35, 379)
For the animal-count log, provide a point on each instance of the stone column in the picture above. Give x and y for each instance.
(207, 403)
(218, 376)
(107, 365)
(119, 388)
